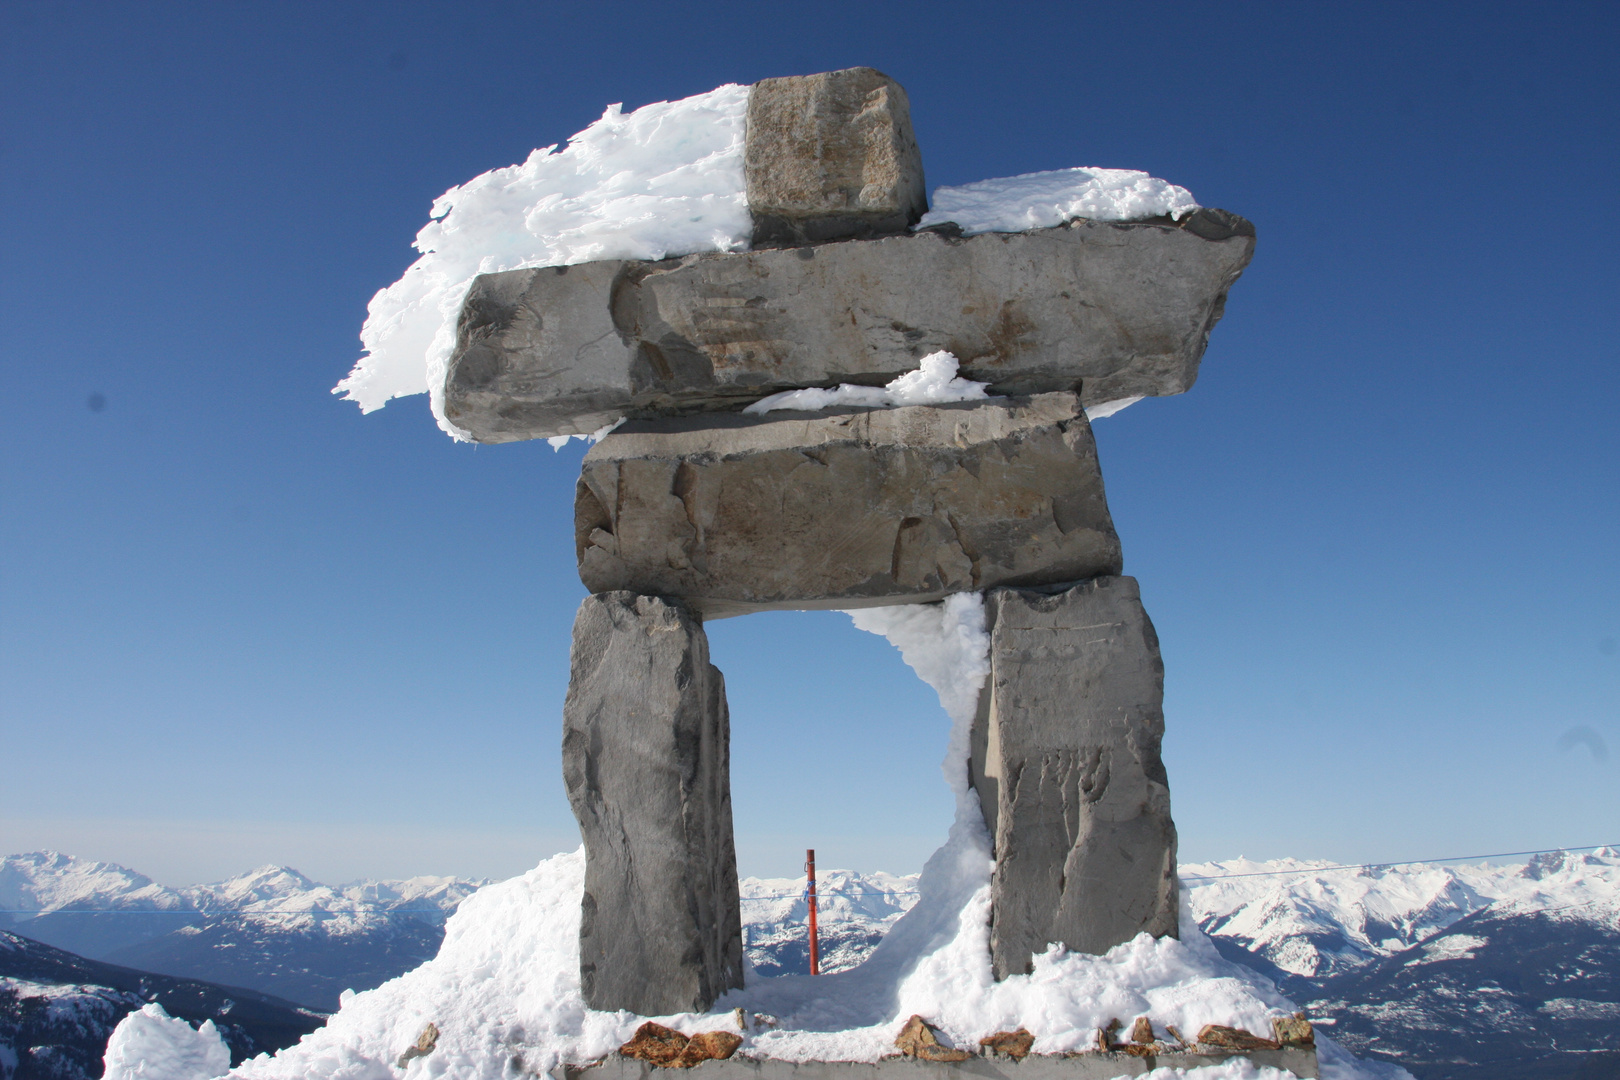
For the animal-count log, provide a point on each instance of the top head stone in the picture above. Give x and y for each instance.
(831, 156)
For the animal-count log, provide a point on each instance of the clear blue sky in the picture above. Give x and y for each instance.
(240, 623)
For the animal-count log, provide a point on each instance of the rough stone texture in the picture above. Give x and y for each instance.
(1112, 310)
(537, 354)
(1013, 1044)
(920, 1039)
(646, 760)
(662, 1046)
(737, 513)
(1293, 1030)
(1221, 1037)
(1067, 750)
(654, 1043)
(830, 156)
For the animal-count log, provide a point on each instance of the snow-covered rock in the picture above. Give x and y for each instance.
(666, 179)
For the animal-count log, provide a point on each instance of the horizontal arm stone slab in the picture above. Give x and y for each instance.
(736, 513)
(1109, 310)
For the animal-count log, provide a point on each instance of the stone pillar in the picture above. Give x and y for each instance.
(1066, 761)
(646, 759)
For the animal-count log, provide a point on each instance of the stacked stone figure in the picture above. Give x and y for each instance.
(695, 510)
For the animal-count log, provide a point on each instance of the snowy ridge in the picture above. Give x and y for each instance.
(855, 911)
(282, 897)
(842, 895)
(1321, 922)
(50, 883)
(43, 881)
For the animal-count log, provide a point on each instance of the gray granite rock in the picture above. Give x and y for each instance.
(646, 760)
(1066, 751)
(737, 513)
(830, 156)
(537, 354)
(1110, 310)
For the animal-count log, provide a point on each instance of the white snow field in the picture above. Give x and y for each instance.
(1042, 199)
(504, 989)
(1311, 919)
(149, 1044)
(664, 180)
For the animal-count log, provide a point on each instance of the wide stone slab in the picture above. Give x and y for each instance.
(737, 513)
(1111, 310)
(1300, 1061)
(1066, 750)
(646, 760)
(830, 156)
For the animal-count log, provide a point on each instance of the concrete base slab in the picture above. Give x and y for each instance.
(1301, 1062)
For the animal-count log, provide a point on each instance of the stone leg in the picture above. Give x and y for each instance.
(1066, 762)
(646, 759)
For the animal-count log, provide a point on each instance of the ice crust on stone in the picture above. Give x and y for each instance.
(934, 382)
(149, 1044)
(557, 442)
(504, 989)
(1109, 408)
(1040, 200)
(664, 180)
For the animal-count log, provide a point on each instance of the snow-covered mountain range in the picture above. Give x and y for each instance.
(1452, 971)
(271, 929)
(1298, 918)
(854, 912)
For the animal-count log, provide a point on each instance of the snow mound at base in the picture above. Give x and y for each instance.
(1041, 200)
(149, 1044)
(664, 180)
(504, 990)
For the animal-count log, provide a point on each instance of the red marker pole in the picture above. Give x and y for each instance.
(815, 947)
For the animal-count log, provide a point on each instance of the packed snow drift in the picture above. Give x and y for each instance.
(666, 179)
(149, 1044)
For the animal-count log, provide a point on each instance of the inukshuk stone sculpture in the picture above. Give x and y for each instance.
(693, 509)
